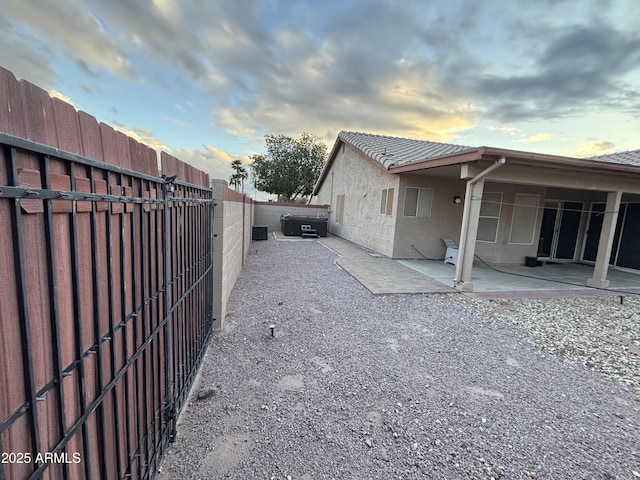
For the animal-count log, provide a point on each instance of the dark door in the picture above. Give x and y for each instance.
(593, 232)
(595, 227)
(568, 232)
(616, 237)
(629, 251)
(545, 244)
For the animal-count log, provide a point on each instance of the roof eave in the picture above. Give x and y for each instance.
(464, 156)
(332, 156)
(327, 166)
(475, 154)
(514, 156)
(559, 161)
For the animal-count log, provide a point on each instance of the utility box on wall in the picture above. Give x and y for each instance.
(260, 232)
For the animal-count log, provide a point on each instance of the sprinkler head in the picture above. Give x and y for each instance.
(272, 327)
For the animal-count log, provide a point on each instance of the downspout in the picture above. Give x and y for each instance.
(500, 162)
(330, 211)
(465, 217)
(331, 193)
(244, 225)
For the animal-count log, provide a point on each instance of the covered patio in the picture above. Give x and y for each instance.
(383, 276)
(401, 197)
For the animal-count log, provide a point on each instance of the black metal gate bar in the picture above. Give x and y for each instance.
(122, 324)
(167, 404)
(156, 315)
(112, 333)
(34, 147)
(96, 324)
(141, 365)
(134, 462)
(45, 178)
(75, 281)
(153, 307)
(23, 302)
(169, 342)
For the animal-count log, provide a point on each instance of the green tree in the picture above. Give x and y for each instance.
(239, 175)
(291, 166)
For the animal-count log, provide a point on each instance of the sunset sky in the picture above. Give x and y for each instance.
(206, 80)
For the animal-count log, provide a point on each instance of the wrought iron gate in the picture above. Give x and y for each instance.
(105, 312)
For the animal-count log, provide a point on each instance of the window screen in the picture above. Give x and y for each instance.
(386, 201)
(410, 202)
(525, 215)
(489, 217)
(417, 202)
(383, 202)
(339, 208)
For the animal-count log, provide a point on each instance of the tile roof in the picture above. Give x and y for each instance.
(409, 154)
(631, 157)
(399, 151)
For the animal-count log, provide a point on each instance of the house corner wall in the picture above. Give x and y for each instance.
(361, 181)
(418, 237)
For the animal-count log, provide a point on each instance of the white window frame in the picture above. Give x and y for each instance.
(493, 217)
(515, 215)
(421, 191)
(386, 201)
(339, 217)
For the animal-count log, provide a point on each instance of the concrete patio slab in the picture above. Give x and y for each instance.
(379, 274)
(382, 275)
(549, 280)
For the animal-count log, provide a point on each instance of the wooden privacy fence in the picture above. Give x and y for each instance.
(105, 306)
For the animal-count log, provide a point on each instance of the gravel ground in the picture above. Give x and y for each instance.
(602, 334)
(356, 386)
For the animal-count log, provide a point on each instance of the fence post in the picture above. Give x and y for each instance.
(169, 410)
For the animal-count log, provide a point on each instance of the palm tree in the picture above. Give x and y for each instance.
(239, 176)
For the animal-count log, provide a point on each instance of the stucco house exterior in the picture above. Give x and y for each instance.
(400, 197)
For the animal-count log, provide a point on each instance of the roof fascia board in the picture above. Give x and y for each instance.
(334, 154)
(578, 180)
(515, 157)
(463, 157)
(541, 159)
(327, 166)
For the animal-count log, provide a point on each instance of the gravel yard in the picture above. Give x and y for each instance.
(357, 386)
(602, 334)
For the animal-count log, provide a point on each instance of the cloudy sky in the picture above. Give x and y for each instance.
(207, 79)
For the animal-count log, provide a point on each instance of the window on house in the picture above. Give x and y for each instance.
(489, 217)
(417, 202)
(339, 208)
(525, 215)
(386, 201)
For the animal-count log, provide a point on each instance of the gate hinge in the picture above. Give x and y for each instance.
(170, 415)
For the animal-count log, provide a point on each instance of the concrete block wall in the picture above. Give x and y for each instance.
(235, 215)
(269, 213)
(233, 219)
(361, 181)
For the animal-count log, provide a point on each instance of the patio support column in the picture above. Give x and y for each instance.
(599, 278)
(468, 234)
(469, 229)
